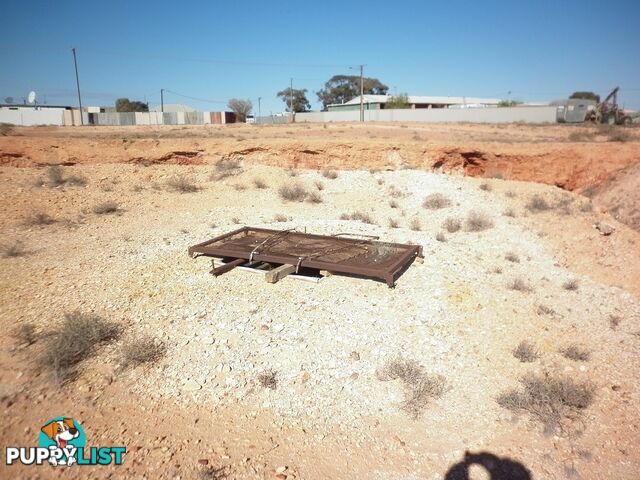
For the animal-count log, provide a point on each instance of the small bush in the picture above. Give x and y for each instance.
(415, 224)
(314, 197)
(393, 223)
(509, 212)
(139, 350)
(227, 167)
(330, 174)
(268, 379)
(359, 216)
(581, 136)
(39, 219)
(619, 136)
(512, 257)
(486, 186)
(182, 184)
(436, 201)
(548, 398)
(526, 352)
(235, 220)
(76, 339)
(614, 321)
(56, 178)
(571, 285)
(520, 285)
(5, 128)
(259, 183)
(576, 352)
(510, 194)
(452, 224)
(440, 237)
(537, 203)
(393, 203)
(281, 218)
(544, 310)
(478, 221)
(25, 334)
(319, 185)
(106, 208)
(586, 207)
(419, 387)
(294, 192)
(15, 249)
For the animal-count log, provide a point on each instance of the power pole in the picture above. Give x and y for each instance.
(75, 63)
(162, 100)
(259, 114)
(361, 93)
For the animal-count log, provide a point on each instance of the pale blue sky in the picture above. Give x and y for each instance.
(537, 50)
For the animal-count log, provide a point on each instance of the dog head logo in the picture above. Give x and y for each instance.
(63, 436)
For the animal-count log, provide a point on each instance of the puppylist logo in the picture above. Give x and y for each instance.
(62, 442)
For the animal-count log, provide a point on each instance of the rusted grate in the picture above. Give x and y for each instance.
(335, 254)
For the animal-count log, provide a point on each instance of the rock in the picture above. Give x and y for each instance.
(604, 228)
(192, 386)
(281, 469)
(355, 356)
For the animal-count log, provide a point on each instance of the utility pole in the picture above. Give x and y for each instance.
(259, 114)
(361, 93)
(75, 63)
(162, 100)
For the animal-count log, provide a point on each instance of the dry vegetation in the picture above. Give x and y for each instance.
(227, 167)
(520, 285)
(77, 338)
(105, 208)
(538, 203)
(435, 201)
(478, 221)
(139, 350)
(293, 192)
(363, 217)
(526, 352)
(56, 178)
(268, 379)
(576, 352)
(182, 184)
(452, 224)
(15, 249)
(419, 387)
(39, 219)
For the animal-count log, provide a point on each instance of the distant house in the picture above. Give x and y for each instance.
(173, 107)
(377, 102)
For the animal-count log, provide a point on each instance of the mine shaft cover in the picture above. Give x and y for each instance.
(338, 254)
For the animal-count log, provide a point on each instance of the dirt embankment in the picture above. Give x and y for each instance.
(541, 154)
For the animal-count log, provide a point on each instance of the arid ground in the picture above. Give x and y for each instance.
(514, 345)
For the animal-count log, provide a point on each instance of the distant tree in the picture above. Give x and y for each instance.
(300, 102)
(125, 105)
(342, 88)
(241, 108)
(509, 103)
(586, 96)
(398, 101)
(8, 99)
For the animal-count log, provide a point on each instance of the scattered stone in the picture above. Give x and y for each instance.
(604, 228)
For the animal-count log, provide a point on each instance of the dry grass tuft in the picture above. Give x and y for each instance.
(419, 387)
(435, 201)
(415, 224)
(576, 352)
(330, 174)
(571, 285)
(106, 208)
(614, 321)
(544, 310)
(182, 184)
(227, 167)
(581, 136)
(357, 215)
(440, 237)
(509, 212)
(393, 203)
(486, 186)
(452, 224)
(538, 203)
(280, 218)
(512, 257)
(56, 178)
(314, 197)
(520, 285)
(5, 128)
(619, 136)
(235, 220)
(293, 192)
(526, 352)
(259, 183)
(15, 249)
(319, 185)
(548, 398)
(76, 339)
(268, 379)
(39, 219)
(393, 223)
(478, 221)
(25, 334)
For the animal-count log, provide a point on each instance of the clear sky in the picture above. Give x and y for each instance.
(216, 50)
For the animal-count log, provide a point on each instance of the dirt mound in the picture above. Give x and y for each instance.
(620, 195)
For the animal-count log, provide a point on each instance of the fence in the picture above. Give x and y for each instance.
(273, 119)
(476, 115)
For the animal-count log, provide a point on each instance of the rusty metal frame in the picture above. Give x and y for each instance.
(387, 274)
